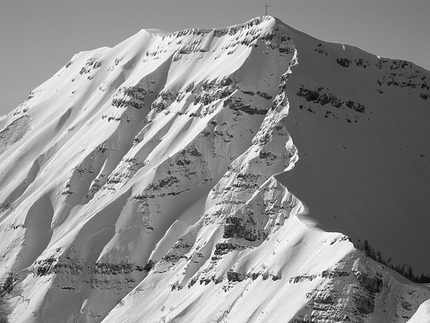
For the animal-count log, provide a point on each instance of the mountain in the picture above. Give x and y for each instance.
(242, 174)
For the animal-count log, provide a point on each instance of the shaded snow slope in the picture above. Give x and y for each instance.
(361, 125)
(217, 175)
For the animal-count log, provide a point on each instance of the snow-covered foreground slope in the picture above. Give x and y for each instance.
(217, 175)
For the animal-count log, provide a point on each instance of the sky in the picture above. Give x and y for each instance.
(38, 37)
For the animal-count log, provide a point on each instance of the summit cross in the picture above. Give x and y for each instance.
(267, 11)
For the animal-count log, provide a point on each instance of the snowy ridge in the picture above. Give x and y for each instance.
(159, 180)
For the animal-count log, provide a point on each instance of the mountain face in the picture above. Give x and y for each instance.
(241, 174)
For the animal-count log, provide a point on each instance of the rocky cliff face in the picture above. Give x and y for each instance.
(160, 180)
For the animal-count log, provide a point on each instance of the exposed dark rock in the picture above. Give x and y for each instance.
(323, 96)
(360, 62)
(328, 299)
(7, 286)
(371, 284)
(365, 305)
(345, 62)
(223, 248)
(54, 265)
(233, 276)
(355, 106)
(239, 104)
(149, 265)
(238, 228)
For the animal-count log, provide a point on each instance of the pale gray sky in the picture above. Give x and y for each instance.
(37, 37)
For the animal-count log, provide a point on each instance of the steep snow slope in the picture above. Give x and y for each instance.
(158, 181)
(422, 315)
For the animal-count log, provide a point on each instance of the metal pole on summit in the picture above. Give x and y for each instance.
(267, 10)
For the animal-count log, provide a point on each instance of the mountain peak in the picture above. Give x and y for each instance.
(178, 175)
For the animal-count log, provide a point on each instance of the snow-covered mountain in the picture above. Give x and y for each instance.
(218, 175)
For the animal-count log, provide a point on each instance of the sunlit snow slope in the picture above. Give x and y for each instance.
(218, 175)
